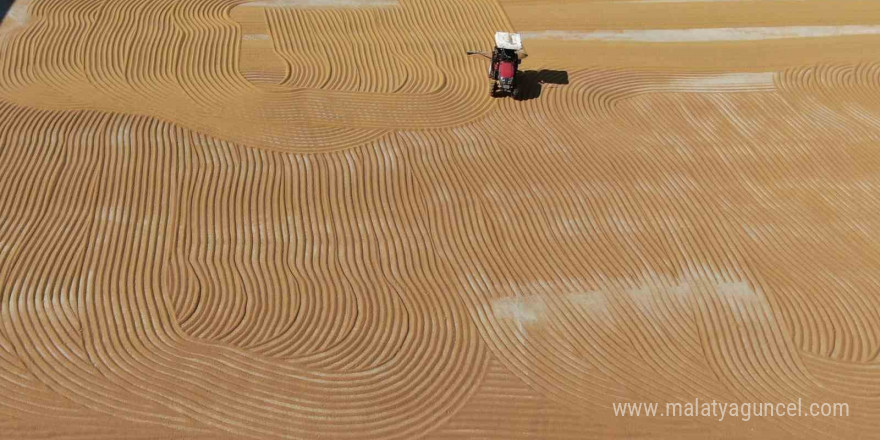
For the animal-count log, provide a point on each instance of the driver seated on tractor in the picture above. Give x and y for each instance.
(504, 63)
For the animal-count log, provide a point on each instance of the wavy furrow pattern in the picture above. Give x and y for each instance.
(307, 220)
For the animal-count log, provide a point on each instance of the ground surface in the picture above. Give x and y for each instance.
(307, 219)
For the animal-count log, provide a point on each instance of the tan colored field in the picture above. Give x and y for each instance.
(306, 219)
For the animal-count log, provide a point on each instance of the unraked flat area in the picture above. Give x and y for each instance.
(306, 219)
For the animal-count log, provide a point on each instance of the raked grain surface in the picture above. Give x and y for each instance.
(305, 219)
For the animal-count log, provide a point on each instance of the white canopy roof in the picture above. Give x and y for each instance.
(508, 40)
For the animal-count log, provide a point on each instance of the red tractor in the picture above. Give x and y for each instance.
(504, 64)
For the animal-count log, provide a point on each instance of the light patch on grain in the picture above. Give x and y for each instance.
(255, 37)
(725, 82)
(16, 16)
(110, 214)
(705, 34)
(593, 301)
(19, 11)
(735, 289)
(696, 1)
(521, 310)
(321, 3)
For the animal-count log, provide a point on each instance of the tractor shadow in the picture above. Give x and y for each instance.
(532, 81)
